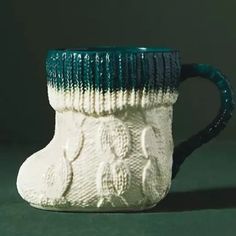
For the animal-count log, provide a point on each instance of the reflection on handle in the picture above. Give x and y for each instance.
(184, 149)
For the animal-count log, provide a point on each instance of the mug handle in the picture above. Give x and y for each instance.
(184, 149)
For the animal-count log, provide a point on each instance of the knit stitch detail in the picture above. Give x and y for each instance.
(105, 81)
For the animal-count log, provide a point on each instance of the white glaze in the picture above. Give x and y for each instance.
(118, 161)
(96, 102)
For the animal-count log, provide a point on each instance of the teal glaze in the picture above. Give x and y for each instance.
(184, 149)
(114, 68)
(134, 68)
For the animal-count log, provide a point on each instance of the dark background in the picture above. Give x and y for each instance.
(204, 32)
(202, 199)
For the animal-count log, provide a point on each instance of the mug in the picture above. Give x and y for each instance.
(112, 148)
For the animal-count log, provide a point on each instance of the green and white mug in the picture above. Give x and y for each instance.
(113, 149)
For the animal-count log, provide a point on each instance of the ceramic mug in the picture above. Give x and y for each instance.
(113, 149)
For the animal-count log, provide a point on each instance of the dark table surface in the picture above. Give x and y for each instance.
(202, 201)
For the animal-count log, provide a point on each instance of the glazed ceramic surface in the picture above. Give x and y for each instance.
(113, 149)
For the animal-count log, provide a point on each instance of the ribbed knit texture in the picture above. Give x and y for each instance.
(102, 81)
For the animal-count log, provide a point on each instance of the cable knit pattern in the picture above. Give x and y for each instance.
(112, 147)
(113, 177)
(124, 162)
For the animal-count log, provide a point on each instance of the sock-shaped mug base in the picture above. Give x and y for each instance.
(116, 162)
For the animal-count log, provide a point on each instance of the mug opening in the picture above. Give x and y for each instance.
(138, 49)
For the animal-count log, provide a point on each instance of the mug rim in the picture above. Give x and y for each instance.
(98, 49)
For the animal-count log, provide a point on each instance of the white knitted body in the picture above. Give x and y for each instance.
(117, 161)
